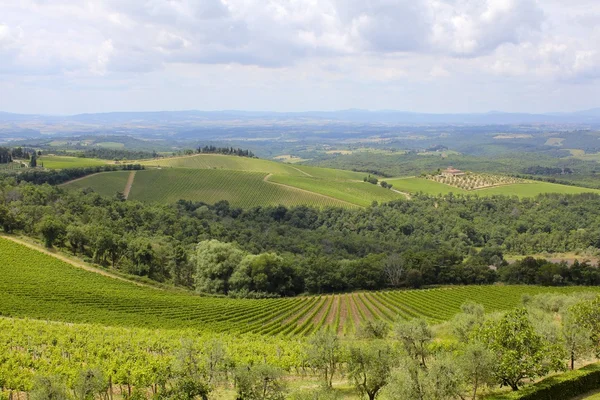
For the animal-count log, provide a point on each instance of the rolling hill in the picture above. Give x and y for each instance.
(40, 286)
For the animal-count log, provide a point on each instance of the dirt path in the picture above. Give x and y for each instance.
(331, 317)
(266, 179)
(303, 172)
(79, 179)
(129, 184)
(75, 263)
(343, 314)
(407, 195)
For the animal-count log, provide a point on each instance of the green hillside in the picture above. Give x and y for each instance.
(61, 162)
(528, 189)
(36, 285)
(356, 192)
(104, 183)
(241, 189)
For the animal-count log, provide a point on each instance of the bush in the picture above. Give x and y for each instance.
(563, 386)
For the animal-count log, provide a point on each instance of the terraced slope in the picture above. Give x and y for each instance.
(37, 285)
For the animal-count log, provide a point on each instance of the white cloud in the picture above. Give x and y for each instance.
(350, 43)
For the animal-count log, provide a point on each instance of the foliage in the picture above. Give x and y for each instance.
(370, 366)
(261, 382)
(520, 352)
(563, 386)
(324, 353)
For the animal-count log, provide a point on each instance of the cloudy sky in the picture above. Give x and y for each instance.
(72, 56)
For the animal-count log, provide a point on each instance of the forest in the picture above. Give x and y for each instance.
(224, 250)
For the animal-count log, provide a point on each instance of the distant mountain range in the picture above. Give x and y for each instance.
(591, 116)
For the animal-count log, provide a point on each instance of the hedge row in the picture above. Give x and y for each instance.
(558, 387)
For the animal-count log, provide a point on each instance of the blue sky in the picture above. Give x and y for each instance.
(70, 56)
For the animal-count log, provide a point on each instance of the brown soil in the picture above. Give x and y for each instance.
(354, 310)
(318, 316)
(318, 305)
(360, 303)
(129, 184)
(301, 311)
(330, 320)
(343, 314)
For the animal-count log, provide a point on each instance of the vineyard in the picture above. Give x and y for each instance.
(104, 183)
(39, 286)
(241, 189)
(525, 189)
(470, 181)
(359, 193)
(60, 162)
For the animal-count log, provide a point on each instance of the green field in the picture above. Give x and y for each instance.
(36, 285)
(529, 189)
(60, 162)
(111, 145)
(241, 189)
(244, 183)
(104, 183)
(217, 161)
(360, 193)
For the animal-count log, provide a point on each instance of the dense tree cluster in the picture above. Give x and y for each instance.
(56, 177)
(110, 154)
(225, 150)
(540, 170)
(276, 250)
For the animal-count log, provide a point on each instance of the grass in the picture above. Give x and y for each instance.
(104, 183)
(111, 145)
(359, 193)
(241, 189)
(39, 286)
(528, 189)
(217, 161)
(61, 162)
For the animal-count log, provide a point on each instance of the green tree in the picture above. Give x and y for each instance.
(33, 161)
(215, 263)
(370, 366)
(415, 336)
(51, 229)
(476, 363)
(48, 388)
(89, 383)
(261, 382)
(520, 352)
(471, 317)
(586, 315)
(324, 353)
(263, 273)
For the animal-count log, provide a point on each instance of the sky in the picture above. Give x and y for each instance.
(72, 56)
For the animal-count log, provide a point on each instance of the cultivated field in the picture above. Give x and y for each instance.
(60, 162)
(359, 193)
(39, 286)
(527, 189)
(104, 183)
(241, 189)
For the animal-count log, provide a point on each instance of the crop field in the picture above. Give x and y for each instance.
(472, 181)
(39, 286)
(527, 189)
(241, 189)
(217, 161)
(359, 193)
(60, 162)
(104, 183)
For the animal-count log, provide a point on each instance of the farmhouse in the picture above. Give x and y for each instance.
(451, 171)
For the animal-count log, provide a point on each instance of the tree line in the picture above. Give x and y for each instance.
(225, 150)
(281, 251)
